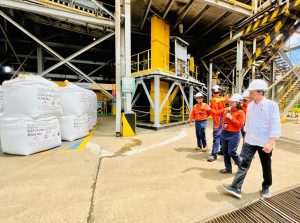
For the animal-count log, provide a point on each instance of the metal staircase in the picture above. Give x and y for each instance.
(288, 87)
(272, 27)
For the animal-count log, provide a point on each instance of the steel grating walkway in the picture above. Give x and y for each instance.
(283, 207)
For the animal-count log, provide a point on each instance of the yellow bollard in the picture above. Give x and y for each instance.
(283, 120)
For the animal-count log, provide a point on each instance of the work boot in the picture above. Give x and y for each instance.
(232, 190)
(204, 149)
(220, 153)
(211, 158)
(224, 171)
(266, 193)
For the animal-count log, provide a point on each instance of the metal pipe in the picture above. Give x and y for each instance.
(76, 54)
(10, 45)
(184, 12)
(253, 65)
(127, 51)
(24, 61)
(209, 82)
(148, 95)
(146, 14)
(197, 19)
(35, 8)
(168, 8)
(103, 8)
(97, 69)
(183, 94)
(167, 96)
(53, 52)
(118, 65)
(40, 59)
(156, 101)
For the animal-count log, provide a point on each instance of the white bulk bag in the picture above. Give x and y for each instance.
(1, 115)
(73, 127)
(93, 103)
(1, 99)
(92, 120)
(32, 96)
(74, 100)
(24, 136)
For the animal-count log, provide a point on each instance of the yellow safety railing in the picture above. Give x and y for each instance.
(287, 93)
(76, 7)
(141, 62)
(288, 85)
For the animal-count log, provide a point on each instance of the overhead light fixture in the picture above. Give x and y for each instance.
(180, 28)
(7, 69)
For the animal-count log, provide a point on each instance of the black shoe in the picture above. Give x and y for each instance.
(198, 149)
(220, 153)
(224, 171)
(230, 189)
(266, 193)
(211, 158)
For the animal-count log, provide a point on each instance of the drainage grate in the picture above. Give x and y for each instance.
(283, 207)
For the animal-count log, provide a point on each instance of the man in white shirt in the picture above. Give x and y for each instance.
(262, 129)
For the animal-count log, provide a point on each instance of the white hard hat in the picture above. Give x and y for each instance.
(245, 94)
(199, 94)
(236, 98)
(216, 88)
(258, 85)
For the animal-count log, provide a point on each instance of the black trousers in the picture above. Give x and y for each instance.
(265, 159)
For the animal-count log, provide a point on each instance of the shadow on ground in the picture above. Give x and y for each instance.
(211, 174)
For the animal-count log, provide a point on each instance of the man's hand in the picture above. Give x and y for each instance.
(229, 116)
(268, 148)
(191, 124)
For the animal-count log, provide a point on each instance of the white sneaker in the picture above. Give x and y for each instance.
(266, 193)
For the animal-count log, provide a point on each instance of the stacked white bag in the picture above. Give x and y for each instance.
(75, 103)
(1, 111)
(93, 107)
(30, 123)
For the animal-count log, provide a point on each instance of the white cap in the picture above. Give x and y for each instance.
(216, 88)
(199, 94)
(245, 94)
(236, 98)
(258, 85)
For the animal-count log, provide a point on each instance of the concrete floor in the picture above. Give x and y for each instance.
(153, 177)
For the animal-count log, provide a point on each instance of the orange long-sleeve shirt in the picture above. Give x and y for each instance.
(244, 107)
(217, 103)
(200, 112)
(236, 123)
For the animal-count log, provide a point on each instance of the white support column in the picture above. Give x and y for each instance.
(209, 82)
(118, 65)
(127, 52)
(175, 55)
(40, 59)
(233, 80)
(123, 62)
(239, 66)
(253, 65)
(191, 96)
(156, 101)
(272, 79)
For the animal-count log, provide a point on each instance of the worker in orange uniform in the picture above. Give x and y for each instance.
(217, 103)
(200, 113)
(246, 101)
(233, 121)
